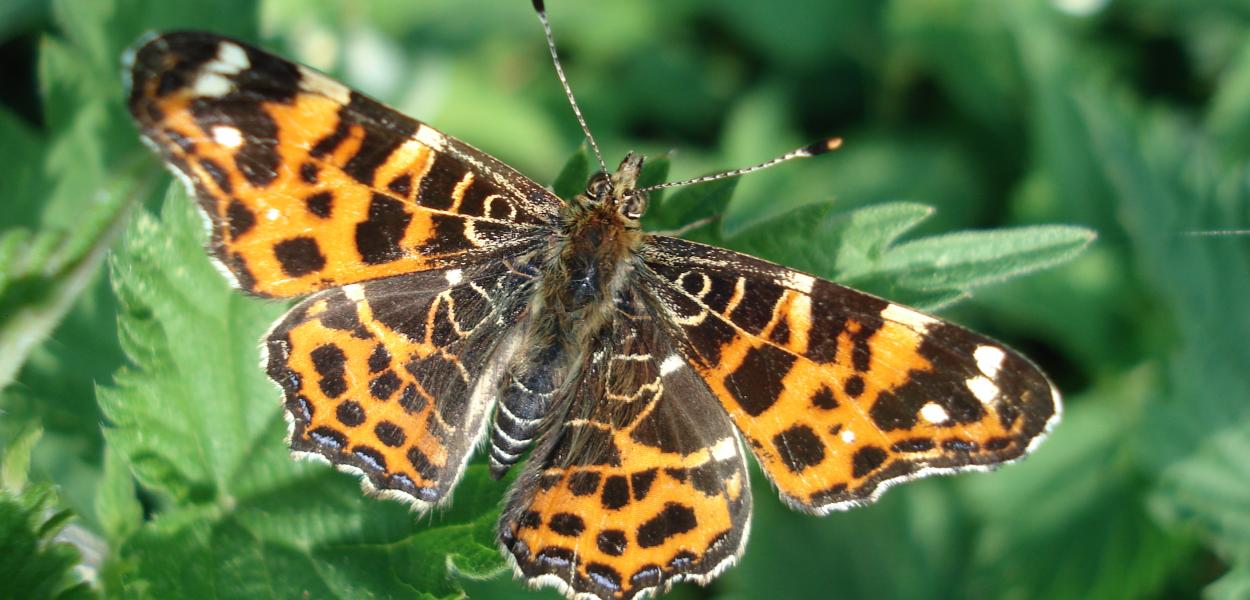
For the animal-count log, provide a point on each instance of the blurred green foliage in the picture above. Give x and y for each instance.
(972, 128)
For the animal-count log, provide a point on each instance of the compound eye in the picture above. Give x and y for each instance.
(635, 205)
(600, 186)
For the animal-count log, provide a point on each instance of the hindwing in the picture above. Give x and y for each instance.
(641, 485)
(309, 185)
(841, 394)
(396, 377)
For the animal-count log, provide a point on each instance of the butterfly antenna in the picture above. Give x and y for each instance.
(820, 147)
(564, 81)
(1216, 233)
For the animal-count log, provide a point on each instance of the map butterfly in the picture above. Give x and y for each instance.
(448, 299)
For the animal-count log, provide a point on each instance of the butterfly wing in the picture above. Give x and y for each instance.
(309, 185)
(841, 394)
(642, 484)
(395, 377)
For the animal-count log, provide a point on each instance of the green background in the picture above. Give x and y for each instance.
(139, 432)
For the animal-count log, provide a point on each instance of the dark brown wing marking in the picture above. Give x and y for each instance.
(643, 485)
(396, 377)
(841, 394)
(309, 185)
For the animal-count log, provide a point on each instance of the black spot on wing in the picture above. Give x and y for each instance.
(799, 448)
(299, 256)
(383, 386)
(379, 359)
(411, 399)
(350, 413)
(612, 542)
(866, 460)
(615, 492)
(401, 184)
(641, 482)
(583, 483)
(331, 365)
(673, 520)
(378, 237)
(422, 464)
(389, 434)
(239, 218)
(320, 204)
(567, 524)
(756, 383)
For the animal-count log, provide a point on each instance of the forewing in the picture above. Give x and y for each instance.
(642, 483)
(309, 185)
(841, 394)
(395, 377)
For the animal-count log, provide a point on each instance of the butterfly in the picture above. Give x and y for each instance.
(448, 299)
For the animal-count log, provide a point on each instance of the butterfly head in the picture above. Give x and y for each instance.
(619, 190)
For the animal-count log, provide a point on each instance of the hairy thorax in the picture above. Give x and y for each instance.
(585, 265)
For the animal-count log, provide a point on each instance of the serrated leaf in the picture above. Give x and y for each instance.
(968, 259)
(117, 503)
(15, 463)
(33, 565)
(200, 425)
(838, 245)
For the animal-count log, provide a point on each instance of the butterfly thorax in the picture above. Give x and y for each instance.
(587, 263)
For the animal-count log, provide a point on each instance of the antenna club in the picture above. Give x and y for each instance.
(539, 7)
(823, 146)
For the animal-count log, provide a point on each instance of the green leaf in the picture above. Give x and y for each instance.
(573, 176)
(831, 244)
(117, 503)
(859, 248)
(690, 205)
(1234, 585)
(33, 565)
(963, 260)
(201, 427)
(1069, 521)
(15, 464)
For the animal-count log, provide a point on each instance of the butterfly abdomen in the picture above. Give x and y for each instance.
(585, 268)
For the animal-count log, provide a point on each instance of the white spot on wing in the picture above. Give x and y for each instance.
(800, 282)
(934, 413)
(989, 360)
(273, 214)
(212, 85)
(917, 321)
(227, 136)
(314, 82)
(848, 436)
(454, 276)
(428, 136)
(982, 388)
(231, 59)
(354, 292)
(671, 364)
(725, 449)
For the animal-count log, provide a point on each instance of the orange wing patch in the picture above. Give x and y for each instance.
(309, 185)
(395, 377)
(841, 394)
(648, 487)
